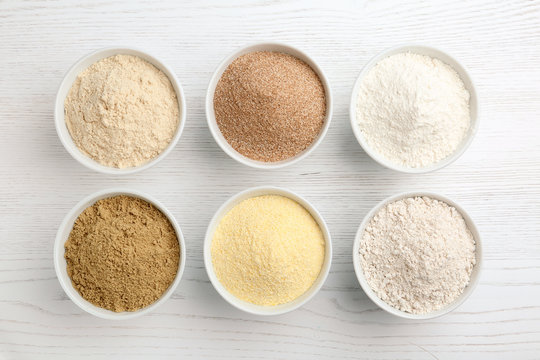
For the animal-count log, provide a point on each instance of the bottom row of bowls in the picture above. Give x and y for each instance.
(68, 223)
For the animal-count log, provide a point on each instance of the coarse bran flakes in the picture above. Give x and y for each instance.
(269, 106)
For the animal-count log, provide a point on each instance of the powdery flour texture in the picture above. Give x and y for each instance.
(122, 111)
(417, 254)
(413, 109)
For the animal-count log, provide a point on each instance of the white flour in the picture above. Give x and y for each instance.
(413, 109)
(417, 254)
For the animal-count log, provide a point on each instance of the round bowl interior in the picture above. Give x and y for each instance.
(211, 117)
(383, 305)
(473, 106)
(247, 306)
(60, 264)
(65, 86)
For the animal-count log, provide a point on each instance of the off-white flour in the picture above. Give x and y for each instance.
(413, 109)
(122, 111)
(417, 254)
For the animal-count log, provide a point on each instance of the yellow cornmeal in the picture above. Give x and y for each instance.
(268, 250)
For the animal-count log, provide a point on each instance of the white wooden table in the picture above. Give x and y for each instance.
(497, 180)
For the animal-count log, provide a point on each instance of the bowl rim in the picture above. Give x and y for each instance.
(475, 275)
(261, 309)
(66, 83)
(216, 76)
(466, 78)
(59, 261)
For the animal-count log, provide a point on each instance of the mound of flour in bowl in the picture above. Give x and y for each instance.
(413, 110)
(417, 254)
(122, 111)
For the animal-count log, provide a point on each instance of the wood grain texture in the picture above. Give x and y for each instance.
(497, 180)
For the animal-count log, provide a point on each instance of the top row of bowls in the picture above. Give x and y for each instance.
(88, 60)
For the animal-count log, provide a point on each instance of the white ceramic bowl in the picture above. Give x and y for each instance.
(383, 305)
(211, 117)
(65, 86)
(247, 306)
(60, 264)
(473, 105)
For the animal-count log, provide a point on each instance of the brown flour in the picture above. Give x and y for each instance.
(269, 106)
(122, 253)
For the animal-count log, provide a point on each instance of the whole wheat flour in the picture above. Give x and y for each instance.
(413, 109)
(270, 106)
(417, 254)
(122, 111)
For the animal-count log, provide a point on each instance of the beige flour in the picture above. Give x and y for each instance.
(122, 111)
(417, 254)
